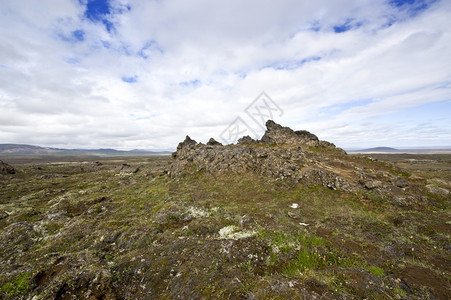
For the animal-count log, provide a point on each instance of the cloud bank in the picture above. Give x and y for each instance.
(142, 74)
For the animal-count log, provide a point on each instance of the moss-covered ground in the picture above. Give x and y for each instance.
(122, 229)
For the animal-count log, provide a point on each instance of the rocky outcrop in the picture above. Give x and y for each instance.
(285, 136)
(295, 156)
(281, 153)
(186, 143)
(6, 169)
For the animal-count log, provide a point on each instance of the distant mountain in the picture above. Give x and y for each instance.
(379, 149)
(14, 149)
(21, 149)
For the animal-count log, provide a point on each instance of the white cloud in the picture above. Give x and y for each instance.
(196, 65)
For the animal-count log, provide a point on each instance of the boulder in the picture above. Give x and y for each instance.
(400, 182)
(6, 169)
(437, 190)
(372, 184)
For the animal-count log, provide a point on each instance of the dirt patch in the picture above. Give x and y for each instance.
(422, 278)
(443, 228)
(363, 283)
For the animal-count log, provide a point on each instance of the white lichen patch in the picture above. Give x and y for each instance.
(196, 212)
(124, 174)
(232, 232)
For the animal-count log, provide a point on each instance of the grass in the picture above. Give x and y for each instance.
(399, 293)
(376, 271)
(302, 252)
(305, 260)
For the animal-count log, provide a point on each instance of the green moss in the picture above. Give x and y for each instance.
(18, 285)
(108, 257)
(315, 149)
(53, 227)
(399, 293)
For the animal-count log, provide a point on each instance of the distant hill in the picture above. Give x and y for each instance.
(22, 149)
(379, 149)
(15, 149)
(389, 150)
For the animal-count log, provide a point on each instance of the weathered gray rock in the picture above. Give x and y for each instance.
(294, 214)
(400, 182)
(186, 143)
(437, 190)
(6, 169)
(307, 135)
(246, 140)
(279, 135)
(372, 184)
(213, 142)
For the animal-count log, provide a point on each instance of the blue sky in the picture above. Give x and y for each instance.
(143, 74)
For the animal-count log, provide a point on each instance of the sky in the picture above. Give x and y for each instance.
(143, 74)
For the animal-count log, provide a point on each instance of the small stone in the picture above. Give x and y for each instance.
(372, 184)
(245, 221)
(294, 215)
(3, 215)
(400, 182)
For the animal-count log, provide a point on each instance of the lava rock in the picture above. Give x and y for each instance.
(6, 169)
(400, 182)
(246, 140)
(213, 142)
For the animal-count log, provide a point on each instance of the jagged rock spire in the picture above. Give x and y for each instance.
(187, 142)
(213, 142)
(279, 135)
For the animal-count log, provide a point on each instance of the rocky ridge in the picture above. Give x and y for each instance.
(297, 156)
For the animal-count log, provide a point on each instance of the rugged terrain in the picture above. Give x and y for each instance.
(285, 217)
